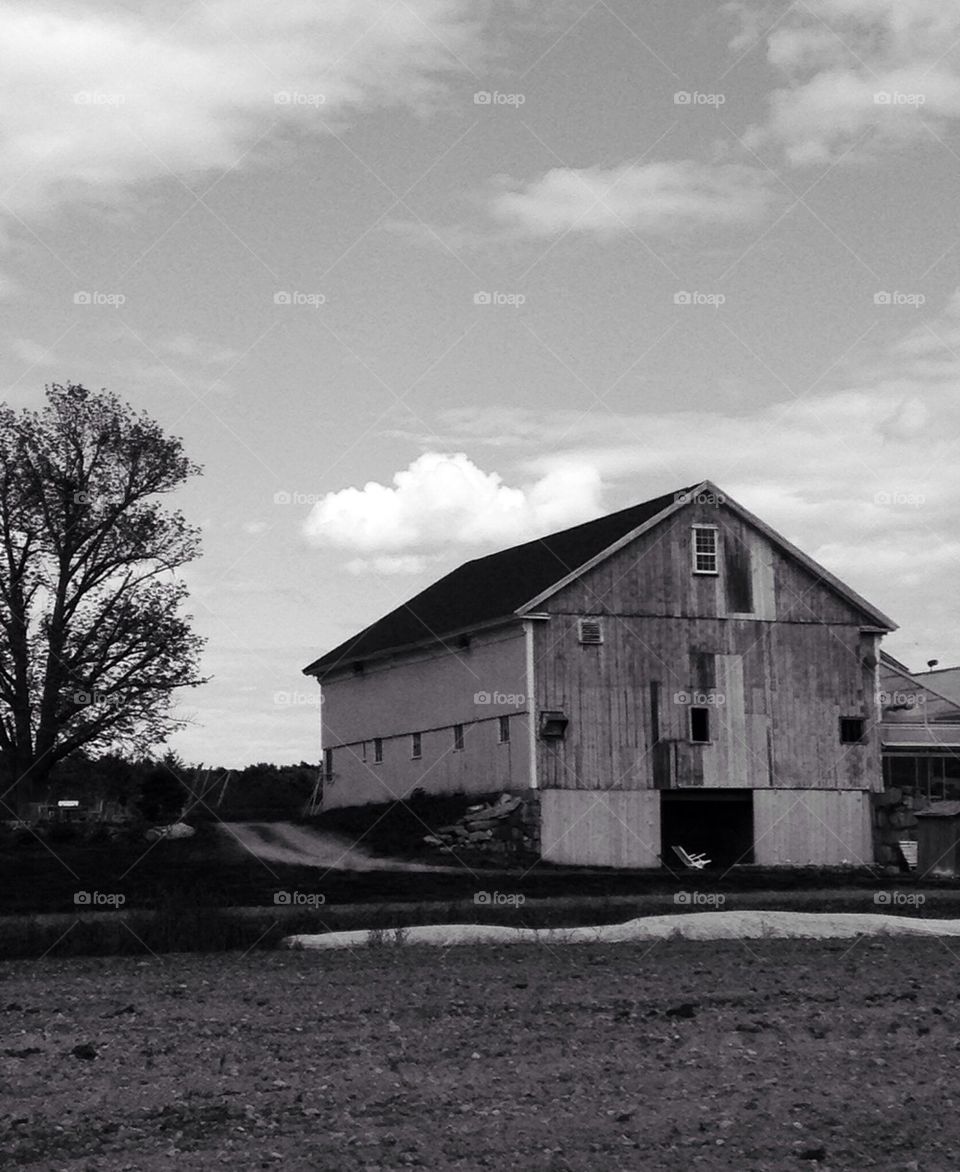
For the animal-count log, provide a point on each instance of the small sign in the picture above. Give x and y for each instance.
(68, 804)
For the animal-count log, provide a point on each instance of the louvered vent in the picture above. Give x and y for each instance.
(590, 630)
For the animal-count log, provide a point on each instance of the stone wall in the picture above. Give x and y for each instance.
(507, 827)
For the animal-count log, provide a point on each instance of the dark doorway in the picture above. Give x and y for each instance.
(717, 823)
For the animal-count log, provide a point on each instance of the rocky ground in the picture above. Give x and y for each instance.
(756, 1055)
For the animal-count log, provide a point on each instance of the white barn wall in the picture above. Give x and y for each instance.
(801, 826)
(429, 692)
(608, 829)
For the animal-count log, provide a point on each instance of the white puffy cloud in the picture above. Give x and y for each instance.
(858, 68)
(649, 197)
(96, 98)
(442, 501)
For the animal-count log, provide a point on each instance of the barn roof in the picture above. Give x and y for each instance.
(493, 587)
(515, 581)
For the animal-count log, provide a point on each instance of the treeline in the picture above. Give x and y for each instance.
(161, 789)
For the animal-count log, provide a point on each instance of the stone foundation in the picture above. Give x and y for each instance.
(893, 820)
(506, 827)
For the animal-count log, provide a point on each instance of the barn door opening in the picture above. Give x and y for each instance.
(715, 822)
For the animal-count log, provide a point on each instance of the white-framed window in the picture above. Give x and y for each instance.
(705, 549)
(416, 746)
(503, 729)
(590, 630)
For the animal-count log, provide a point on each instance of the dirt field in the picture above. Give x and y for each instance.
(756, 1056)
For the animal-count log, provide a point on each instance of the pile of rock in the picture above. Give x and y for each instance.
(893, 820)
(509, 825)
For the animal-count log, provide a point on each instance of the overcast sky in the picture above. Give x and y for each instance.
(420, 280)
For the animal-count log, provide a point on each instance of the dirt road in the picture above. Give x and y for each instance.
(284, 842)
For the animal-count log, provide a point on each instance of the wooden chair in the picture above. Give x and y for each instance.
(690, 861)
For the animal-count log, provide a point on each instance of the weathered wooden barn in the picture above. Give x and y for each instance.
(675, 673)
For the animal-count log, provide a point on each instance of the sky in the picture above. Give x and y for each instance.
(419, 280)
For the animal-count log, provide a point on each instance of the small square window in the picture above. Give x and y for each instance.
(700, 725)
(415, 746)
(377, 750)
(458, 738)
(503, 729)
(705, 548)
(851, 729)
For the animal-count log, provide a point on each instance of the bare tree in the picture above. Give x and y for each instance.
(92, 641)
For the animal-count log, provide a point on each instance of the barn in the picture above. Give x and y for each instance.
(672, 674)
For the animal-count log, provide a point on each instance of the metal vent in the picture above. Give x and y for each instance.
(590, 630)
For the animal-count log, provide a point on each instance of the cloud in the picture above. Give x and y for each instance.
(32, 352)
(95, 99)
(441, 501)
(858, 68)
(650, 197)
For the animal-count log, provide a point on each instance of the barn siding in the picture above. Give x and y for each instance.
(777, 682)
(600, 829)
(812, 826)
(429, 692)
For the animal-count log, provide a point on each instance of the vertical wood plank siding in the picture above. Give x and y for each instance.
(600, 830)
(812, 826)
(776, 684)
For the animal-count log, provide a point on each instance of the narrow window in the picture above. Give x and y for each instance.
(328, 762)
(377, 750)
(363, 750)
(503, 729)
(655, 712)
(700, 725)
(705, 549)
(415, 746)
(851, 730)
(589, 631)
(736, 561)
(458, 738)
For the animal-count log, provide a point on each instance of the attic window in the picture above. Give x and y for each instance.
(589, 630)
(705, 560)
(851, 729)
